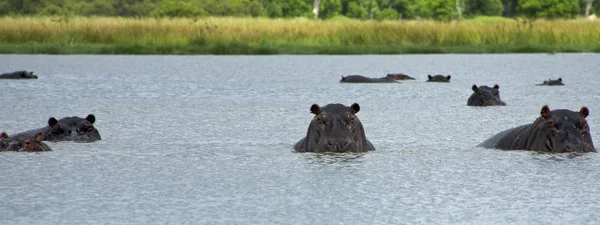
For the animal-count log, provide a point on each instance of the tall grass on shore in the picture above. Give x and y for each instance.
(82, 35)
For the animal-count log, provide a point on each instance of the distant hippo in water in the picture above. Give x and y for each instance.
(551, 82)
(335, 128)
(23, 144)
(554, 131)
(398, 76)
(363, 79)
(438, 78)
(18, 75)
(67, 129)
(485, 96)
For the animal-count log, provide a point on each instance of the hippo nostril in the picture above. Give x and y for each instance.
(329, 143)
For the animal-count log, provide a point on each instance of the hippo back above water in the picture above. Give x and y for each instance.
(363, 79)
(551, 82)
(438, 78)
(67, 129)
(23, 144)
(554, 131)
(398, 76)
(485, 96)
(334, 128)
(18, 75)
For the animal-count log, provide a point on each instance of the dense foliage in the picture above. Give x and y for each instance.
(359, 9)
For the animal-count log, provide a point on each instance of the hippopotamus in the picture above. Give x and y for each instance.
(555, 131)
(18, 75)
(67, 129)
(334, 128)
(398, 76)
(438, 78)
(363, 79)
(485, 96)
(23, 144)
(551, 82)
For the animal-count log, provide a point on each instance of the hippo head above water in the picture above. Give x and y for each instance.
(23, 144)
(19, 75)
(72, 129)
(438, 78)
(561, 130)
(555, 131)
(551, 82)
(485, 96)
(334, 128)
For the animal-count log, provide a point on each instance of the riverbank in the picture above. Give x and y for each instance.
(29, 35)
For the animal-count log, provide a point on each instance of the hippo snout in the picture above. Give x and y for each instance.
(338, 145)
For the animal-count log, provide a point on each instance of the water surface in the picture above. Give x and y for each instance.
(208, 140)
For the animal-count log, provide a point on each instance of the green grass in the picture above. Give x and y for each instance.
(293, 36)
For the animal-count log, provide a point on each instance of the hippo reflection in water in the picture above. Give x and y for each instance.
(551, 82)
(18, 75)
(556, 131)
(398, 76)
(67, 129)
(485, 96)
(23, 144)
(363, 79)
(438, 78)
(335, 128)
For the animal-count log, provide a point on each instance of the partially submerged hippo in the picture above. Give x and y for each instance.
(363, 79)
(335, 128)
(18, 75)
(23, 144)
(485, 96)
(398, 76)
(438, 78)
(67, 129)
(551, 82)
(559, 130)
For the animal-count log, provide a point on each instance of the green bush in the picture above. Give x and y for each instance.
(549, 8)
(173, 8)
(386, 14)
(356, 11)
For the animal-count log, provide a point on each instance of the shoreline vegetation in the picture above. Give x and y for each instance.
(261, 36)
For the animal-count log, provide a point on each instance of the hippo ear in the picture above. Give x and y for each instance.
(496, 86)
(545, 112)
(560, 79)
(343, 78)
(4, 135)
(429, 76)
(355, 108)
(91, 118)
(584, 112)
(52, 122)
(39, 136)
(474, 88)
(448, 77)
(315, 109)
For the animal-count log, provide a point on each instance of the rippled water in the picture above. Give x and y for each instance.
(208, 140)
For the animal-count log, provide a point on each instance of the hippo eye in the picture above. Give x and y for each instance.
(90, 129)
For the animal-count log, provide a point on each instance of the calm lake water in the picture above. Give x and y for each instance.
(208, 140)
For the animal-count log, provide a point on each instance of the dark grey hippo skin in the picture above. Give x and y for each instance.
(485, 96)
(551, 82)
(398, 76)
(23, 144)
(334, 128)
(438, 78)
(67, 129)
(18, 75)
(363, 79)
(555, 131)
